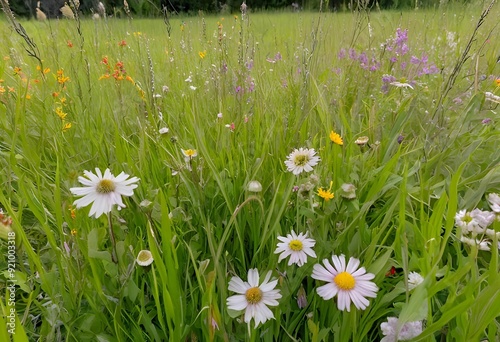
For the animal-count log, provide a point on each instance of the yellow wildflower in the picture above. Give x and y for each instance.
(2, 89)
(336, 138)
(326, 194)
(202, 54)
(60, 113)
(61, 79)
(66, 126)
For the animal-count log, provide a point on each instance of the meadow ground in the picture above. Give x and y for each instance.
(266, 148)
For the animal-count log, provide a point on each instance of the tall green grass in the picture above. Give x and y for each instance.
(198, 219)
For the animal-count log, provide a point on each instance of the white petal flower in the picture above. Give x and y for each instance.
(406, 332)
(103, 191)
(298, 247)
(254, 298)
(414, 279)
(482, 245)
(475, 221)
(144, 258)
(301, 160)
(494, 201)
(163, 130)
(347, 282)
(401, 85)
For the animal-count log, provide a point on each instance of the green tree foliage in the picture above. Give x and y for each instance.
(149, 8)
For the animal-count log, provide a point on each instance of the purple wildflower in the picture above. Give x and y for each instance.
(341, 54)
(249, 64)
(352, 54)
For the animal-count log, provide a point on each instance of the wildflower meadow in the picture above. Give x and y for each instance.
(284, 176)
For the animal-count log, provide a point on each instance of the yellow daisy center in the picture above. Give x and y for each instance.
(295, 245)
(144, 256)
(467, 218)
(301, 159)
(253, 295)
(345, 281)
(105, 186)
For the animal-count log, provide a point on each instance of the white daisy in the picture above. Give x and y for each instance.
(254, 298)
(414, 279)
(103, 191)
(144, 258)
(302, 160)
(298, 247)
(347, 282)
(393, 332)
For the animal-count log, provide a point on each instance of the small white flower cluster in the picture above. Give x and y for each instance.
(473, 225)
(394, 332)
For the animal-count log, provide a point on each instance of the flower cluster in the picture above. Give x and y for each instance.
(393, 331)
(473, 226)
(61, 78)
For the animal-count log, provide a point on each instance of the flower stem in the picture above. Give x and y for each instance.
(114, 255)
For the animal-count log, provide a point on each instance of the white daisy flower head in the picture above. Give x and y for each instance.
(414, 279)
(254, 298)
(393, 332)
(347, 282)
(297, 247)
(103, 191)
(144, 258)
(494, 201)
(189, 154)
(302, 160)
